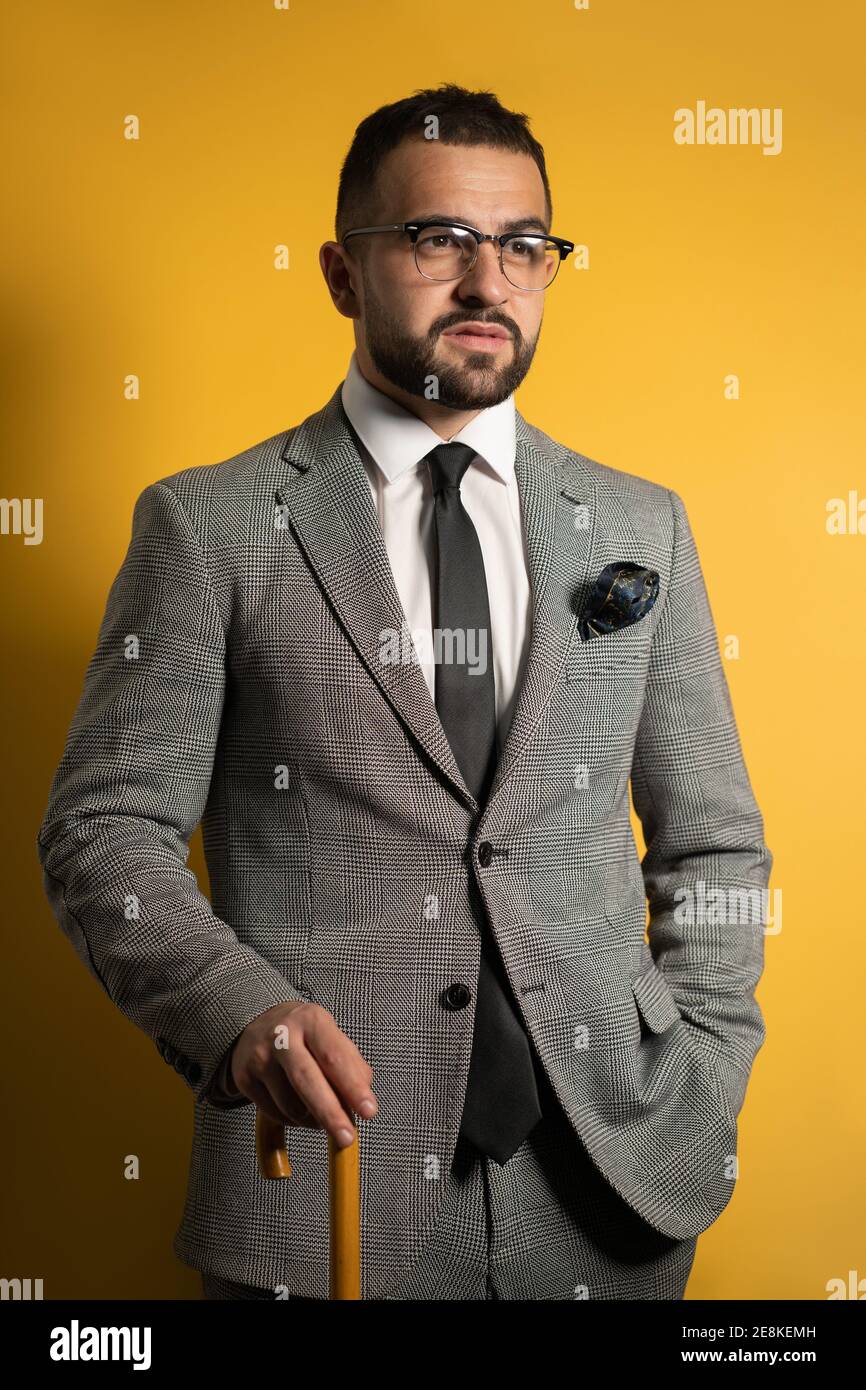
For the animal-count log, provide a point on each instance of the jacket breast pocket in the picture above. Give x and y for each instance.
(625, 653)
(598, 706)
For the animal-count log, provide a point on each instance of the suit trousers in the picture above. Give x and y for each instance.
(543, 1226)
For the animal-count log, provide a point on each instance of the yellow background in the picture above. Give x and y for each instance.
(155, 257)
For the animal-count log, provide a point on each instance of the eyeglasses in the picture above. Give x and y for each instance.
(528, 260)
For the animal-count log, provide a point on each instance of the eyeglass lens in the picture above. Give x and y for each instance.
(445, 253)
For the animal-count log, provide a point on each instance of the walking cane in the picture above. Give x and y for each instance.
(344, 1197)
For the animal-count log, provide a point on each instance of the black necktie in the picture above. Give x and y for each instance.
(502, 1102)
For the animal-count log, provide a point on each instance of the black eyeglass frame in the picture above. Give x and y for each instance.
(413, 228)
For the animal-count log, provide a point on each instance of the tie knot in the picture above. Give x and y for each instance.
(448, 463)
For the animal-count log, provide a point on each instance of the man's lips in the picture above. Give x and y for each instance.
(483, 337)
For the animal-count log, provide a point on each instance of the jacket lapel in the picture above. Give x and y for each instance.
(326, 501)
(551, 488)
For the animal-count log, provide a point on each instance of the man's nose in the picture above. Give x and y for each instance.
(485, 280)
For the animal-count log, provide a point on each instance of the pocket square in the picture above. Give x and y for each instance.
(623, 593)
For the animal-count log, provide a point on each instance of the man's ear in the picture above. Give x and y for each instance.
(342, 275)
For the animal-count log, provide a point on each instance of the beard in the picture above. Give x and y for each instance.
(415, 365)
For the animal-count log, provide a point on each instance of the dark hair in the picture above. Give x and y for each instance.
(465, 118)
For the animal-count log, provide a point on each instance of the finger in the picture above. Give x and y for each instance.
(312, 1087)
(263, 1100)
(294, 1113)
(342, 1063)
(284, 1095)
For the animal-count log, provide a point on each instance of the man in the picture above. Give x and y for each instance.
(402, 661)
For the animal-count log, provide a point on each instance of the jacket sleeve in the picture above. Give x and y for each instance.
(707, 866)
(130, 789)
(222, 1092)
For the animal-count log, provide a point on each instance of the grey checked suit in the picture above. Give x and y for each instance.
(237, 681)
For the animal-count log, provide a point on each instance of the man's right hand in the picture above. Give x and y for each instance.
(307, 1072)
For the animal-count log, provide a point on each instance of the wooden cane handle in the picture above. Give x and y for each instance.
(271, 1151)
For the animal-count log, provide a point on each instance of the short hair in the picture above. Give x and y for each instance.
(464, 118)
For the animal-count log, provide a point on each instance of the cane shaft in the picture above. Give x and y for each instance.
(344, 1186)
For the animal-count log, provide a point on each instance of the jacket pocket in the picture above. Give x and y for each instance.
(625, 652)
(655, 1000)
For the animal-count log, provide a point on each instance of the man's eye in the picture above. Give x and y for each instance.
(438, 241)
(525, 246)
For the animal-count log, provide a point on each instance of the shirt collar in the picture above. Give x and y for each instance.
(398, 440)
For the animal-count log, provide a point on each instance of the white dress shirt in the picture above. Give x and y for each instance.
(396, 443)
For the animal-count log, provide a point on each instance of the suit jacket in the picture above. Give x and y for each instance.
(237, 681)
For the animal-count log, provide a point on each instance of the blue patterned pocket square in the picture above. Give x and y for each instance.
(622, 594)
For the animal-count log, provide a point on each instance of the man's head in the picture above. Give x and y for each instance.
(483, 168)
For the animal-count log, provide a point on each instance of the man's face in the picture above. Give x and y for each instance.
(405, 319)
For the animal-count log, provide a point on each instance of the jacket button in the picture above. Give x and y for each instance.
(169, 1053)
(456, 996)
(193, 1073)
(485, 853)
